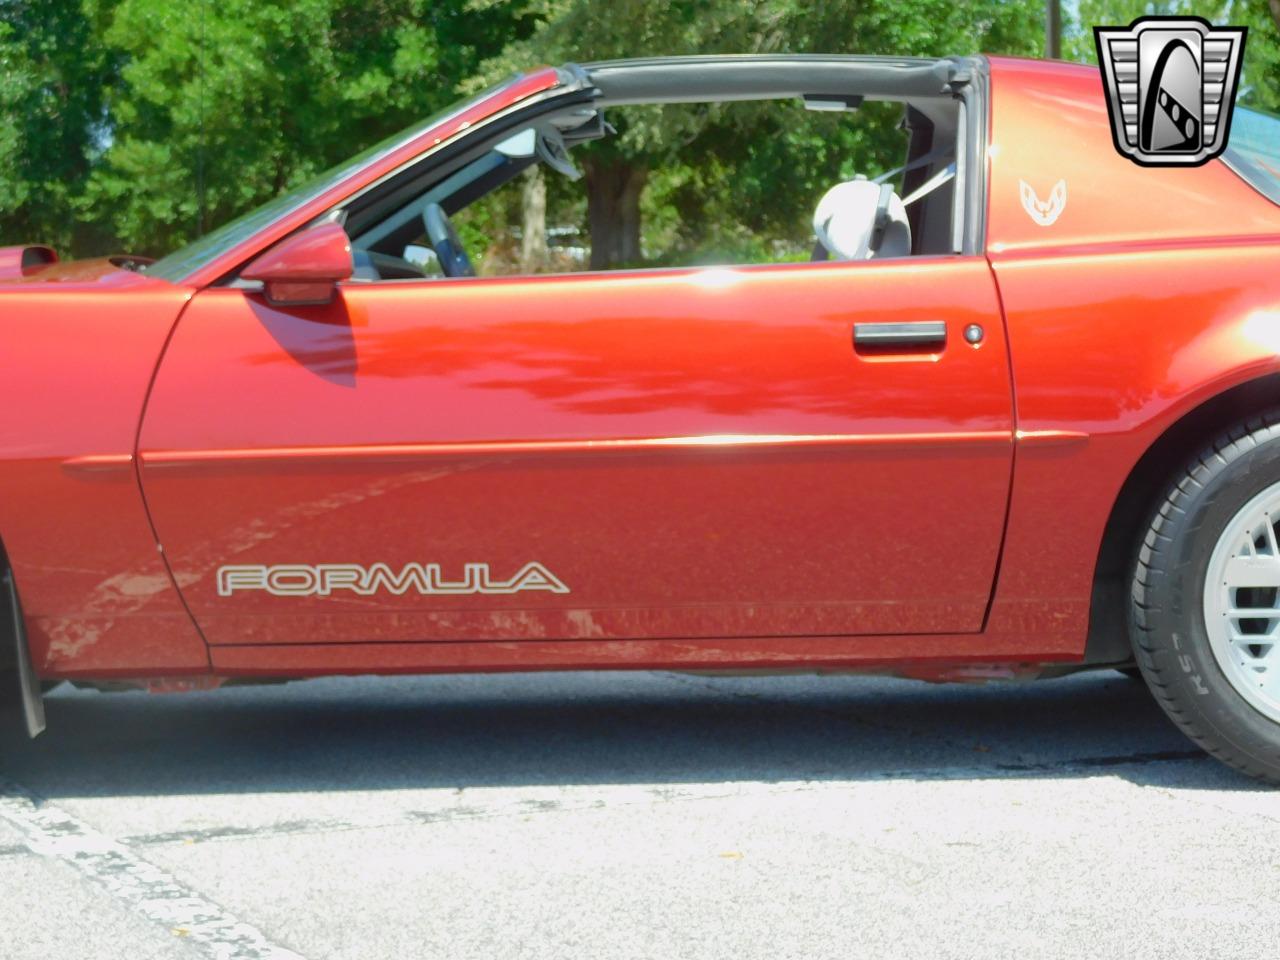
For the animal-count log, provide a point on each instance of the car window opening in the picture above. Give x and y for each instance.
(524, 203)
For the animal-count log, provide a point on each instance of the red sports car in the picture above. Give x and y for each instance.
(1018, 416)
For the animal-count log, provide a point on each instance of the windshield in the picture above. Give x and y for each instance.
(1254, 150)
(182, 263)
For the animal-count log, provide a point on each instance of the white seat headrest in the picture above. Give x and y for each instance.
(845, 221)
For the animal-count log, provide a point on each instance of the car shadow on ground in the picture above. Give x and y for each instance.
(604, 728)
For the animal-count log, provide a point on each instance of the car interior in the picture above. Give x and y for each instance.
(406, 231)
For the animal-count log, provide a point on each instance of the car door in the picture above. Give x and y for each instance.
(770, 451)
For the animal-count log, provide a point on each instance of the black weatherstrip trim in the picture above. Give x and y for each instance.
(695, 79)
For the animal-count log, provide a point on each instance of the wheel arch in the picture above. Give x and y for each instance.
(1108, 637)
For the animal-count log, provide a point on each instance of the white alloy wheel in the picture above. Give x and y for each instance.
(1242, 602)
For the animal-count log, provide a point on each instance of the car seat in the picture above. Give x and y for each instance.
(861, 220)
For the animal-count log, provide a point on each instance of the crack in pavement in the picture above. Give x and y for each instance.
(487, 803)
(137, 883)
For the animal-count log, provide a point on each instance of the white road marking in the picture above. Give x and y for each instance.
(155, 894)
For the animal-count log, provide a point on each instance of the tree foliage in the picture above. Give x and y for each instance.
(137, 124)
(222, 106)
(54, 73)
(716, 180)
(1260, 79)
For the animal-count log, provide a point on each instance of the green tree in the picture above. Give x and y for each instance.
(221, 106)
(139, 123)
(53, 71)
(1260, 82)
(1260, 79)
(704, 168)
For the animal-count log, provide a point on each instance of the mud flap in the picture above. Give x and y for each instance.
(28, 682)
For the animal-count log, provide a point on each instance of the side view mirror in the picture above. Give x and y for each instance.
(304, 268)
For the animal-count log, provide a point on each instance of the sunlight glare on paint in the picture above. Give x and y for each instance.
(716, 278)
(1263, 328)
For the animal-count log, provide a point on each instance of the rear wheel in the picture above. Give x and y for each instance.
(1205, 602)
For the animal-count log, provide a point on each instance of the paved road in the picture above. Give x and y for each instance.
(630, 815)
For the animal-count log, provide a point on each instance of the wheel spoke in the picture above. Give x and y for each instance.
(1269, 682)
(1257, 640)
(1253, 613)
(1253, 570)
(1245, 646)
(1242, 602)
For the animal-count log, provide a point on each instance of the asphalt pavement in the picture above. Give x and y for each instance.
(646, 815)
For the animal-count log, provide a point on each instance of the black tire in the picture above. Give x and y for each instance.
(1166, 618)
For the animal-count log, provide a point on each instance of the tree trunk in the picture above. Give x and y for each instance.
(1053, 29)
(613, 212)
(1275, 11)
(533, 238)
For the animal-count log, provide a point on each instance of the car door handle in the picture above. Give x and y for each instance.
(920, 333)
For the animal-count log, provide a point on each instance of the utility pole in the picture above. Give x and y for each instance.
(1053, 29)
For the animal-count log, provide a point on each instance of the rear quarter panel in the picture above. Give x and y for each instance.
(1154, 290)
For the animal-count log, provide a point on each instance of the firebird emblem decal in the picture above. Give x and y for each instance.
(321, 580)
(1044, 212)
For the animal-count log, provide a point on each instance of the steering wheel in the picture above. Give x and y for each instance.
(444, 241)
